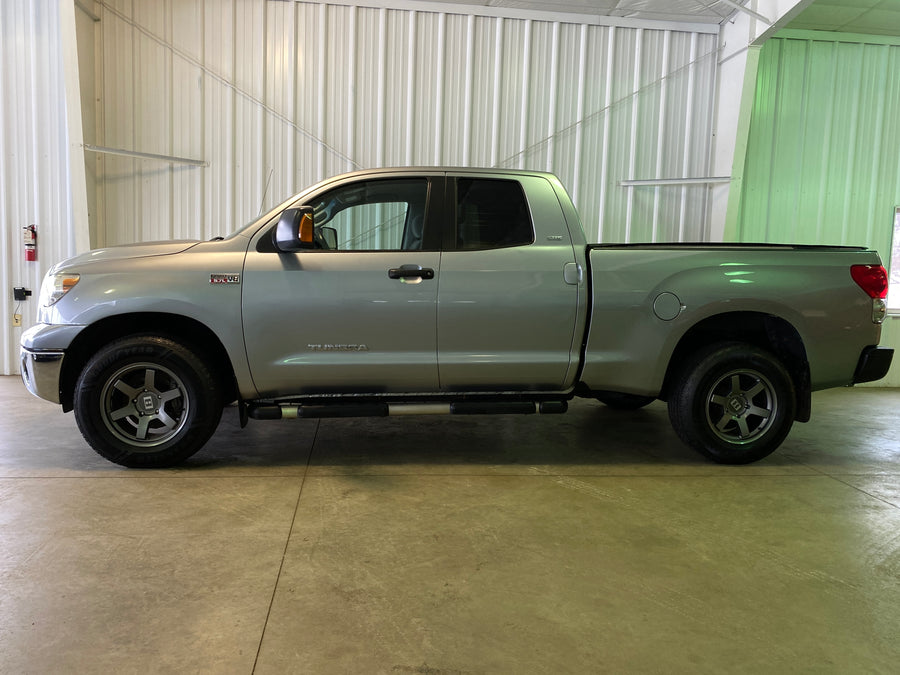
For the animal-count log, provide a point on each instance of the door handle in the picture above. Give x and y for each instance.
(411, 272)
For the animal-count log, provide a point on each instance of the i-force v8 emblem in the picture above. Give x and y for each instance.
(225, 278)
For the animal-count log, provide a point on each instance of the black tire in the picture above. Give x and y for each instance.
(733, 402)
(147, 402)
(618, 401)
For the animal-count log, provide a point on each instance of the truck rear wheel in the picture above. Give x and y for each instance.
(147, 402)
(733, 402)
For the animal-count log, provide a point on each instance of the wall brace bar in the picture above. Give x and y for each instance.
(145, 155)
(651, 182)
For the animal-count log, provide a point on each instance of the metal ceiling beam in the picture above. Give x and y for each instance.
(504, 11)
(749, 12)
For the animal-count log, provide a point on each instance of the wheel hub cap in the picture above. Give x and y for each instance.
(147, 403)
(737, 404)
(740, 406)
(144, 405)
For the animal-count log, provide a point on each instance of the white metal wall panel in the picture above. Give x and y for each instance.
(118, 178)
(250, 115)
(34, 159)
(218, 98)
(153, 90)
(187, 129)
(275, 95)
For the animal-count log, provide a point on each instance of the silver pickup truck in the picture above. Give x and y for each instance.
(447, 291)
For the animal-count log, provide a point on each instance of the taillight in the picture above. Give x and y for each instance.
(873, 279)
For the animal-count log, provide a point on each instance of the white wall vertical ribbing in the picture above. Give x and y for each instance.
(474, 90)
(36, 156)
(304, 90)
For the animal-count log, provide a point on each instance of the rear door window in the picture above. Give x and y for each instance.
(491, 213)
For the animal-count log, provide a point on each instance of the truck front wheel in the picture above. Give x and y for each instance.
(733, 402)
(147, 401)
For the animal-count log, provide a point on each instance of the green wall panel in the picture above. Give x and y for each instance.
(823, 155)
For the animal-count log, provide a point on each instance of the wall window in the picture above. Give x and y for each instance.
(893, 297)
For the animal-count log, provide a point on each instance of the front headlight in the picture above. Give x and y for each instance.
(55, 286)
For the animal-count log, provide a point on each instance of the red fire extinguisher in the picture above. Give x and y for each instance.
(30, 243)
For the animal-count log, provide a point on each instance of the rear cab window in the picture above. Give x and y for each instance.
(491, 213)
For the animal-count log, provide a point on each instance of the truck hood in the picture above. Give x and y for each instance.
(143, 250)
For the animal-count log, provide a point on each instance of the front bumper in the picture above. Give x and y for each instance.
(41, 371)
(874, 363)
(41, 353)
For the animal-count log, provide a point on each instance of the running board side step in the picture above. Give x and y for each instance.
(279, 412)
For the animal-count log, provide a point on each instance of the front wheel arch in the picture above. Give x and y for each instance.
(180, 329)
(146, 401)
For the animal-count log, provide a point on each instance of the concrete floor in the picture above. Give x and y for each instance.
(591, 542)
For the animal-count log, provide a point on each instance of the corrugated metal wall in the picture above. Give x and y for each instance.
(823, 156)
(277, 95)
(34, 158)
(272, 96)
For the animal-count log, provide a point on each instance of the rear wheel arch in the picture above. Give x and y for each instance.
(765, 331)
(733, 402)
(180, 329)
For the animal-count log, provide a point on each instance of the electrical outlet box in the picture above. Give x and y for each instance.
(17, 319)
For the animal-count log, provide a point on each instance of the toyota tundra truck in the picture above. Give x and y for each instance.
(447, 291)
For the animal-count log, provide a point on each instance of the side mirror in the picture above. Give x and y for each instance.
(329, 238)
(295, 230)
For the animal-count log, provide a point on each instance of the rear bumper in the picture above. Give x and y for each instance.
(40, 372)
(874, 363)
